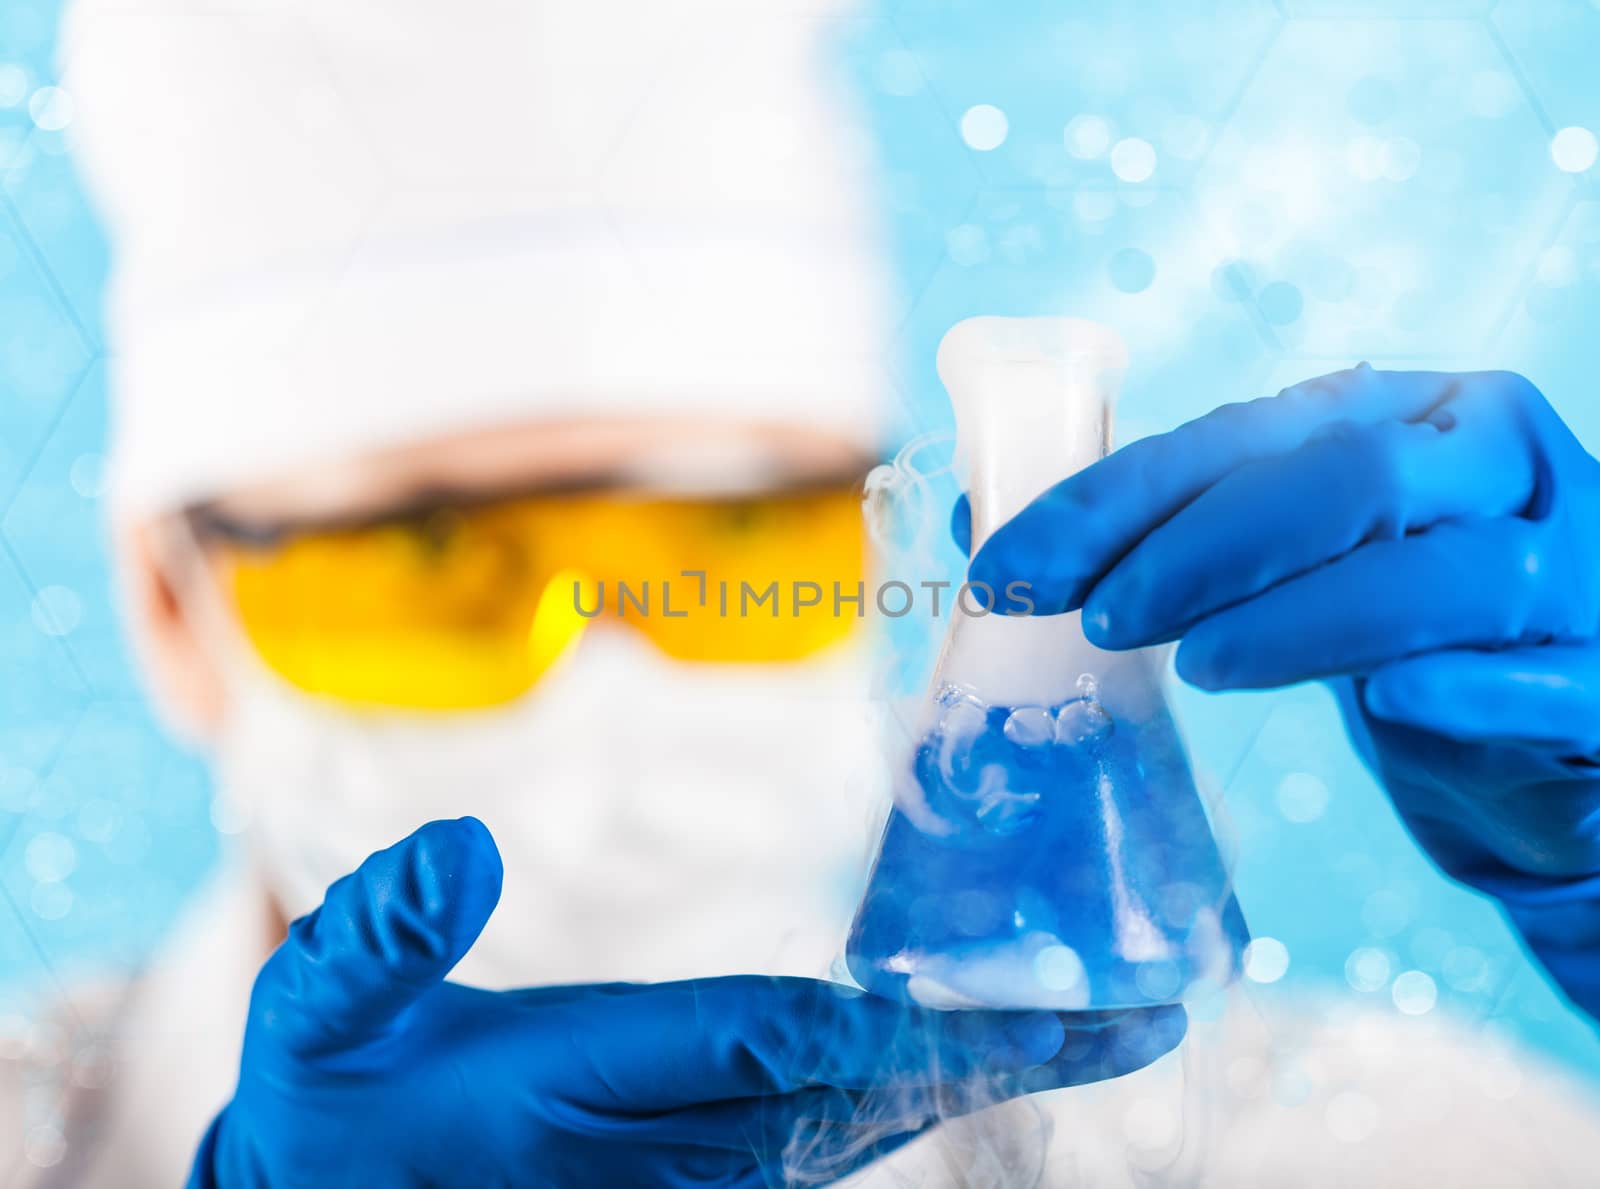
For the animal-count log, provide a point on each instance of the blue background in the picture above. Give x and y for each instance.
(1319, 181)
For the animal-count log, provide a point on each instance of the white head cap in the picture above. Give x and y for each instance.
(341, 227)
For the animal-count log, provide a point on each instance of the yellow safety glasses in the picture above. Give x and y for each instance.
(467, 606)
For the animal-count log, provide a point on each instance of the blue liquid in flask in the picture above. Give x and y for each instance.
(1046, 856)
(1048, 847)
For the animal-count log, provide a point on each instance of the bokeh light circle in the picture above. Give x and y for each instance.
(1574, 149)
(1266, 960)
(1367, 969)
(50, 901)
(1087, 136)
(44, 1146)
(49, 857)
(1414, 993)
(1280, 303)
(88, 475)
(1132, 270)
(1133, 160)
(984, 127)
(50, 108)
(968, 244)
(1302, 797)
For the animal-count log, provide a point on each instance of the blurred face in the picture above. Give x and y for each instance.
(451, 575)
(441, 630)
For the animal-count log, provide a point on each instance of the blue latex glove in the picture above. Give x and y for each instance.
(1428, 542)
(362, 1066)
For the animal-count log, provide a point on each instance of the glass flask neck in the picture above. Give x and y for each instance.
(1033, 400)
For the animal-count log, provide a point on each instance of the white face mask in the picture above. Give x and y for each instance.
(657, 820)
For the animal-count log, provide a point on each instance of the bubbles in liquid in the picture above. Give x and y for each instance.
(1082, 721)
(1030, 726)
(979, 769)
(963, 721)
(951, 695)
(993, 766)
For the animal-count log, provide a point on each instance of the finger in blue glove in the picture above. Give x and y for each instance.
(362, 1065)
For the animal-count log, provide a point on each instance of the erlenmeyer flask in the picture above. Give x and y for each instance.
(1047, 848)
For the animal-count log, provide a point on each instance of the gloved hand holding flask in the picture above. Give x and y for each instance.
(1429, 543)
(362, 1066)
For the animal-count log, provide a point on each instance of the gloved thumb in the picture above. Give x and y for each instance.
(384, 935)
